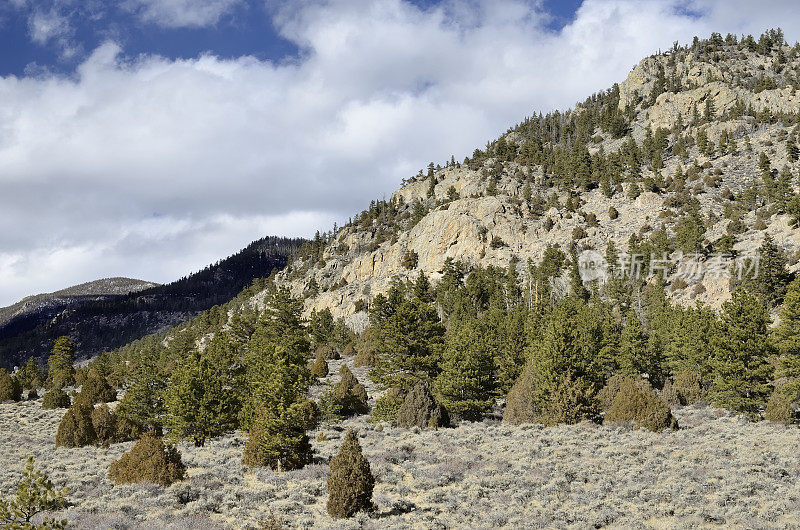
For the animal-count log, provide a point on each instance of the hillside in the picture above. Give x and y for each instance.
(680, 141)
(98, 322)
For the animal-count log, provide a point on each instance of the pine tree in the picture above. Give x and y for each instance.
(320, 327)
(567, 347)
(769, 278)
(277, 370)
(201, 401)
(61, 371)
(277, 436)
(786, 337)
(465, 383)
(408, 343)
(633, 353)
(30, 376)
(740, 349)
(10, 389)
(276, 413)
(35, 495)
(350, 482)
(143, 403)
(350, 394)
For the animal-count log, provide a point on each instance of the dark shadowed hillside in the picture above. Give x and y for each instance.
(98, 321)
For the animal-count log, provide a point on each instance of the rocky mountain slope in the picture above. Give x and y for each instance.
(681, 140)
(107, 314)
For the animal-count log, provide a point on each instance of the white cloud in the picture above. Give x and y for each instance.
(48, 25)
(151, 167)
(180, 13)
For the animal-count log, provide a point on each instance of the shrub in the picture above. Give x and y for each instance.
(10, 389)
(35, 495)
(327, 352)
(350, 482)
(33, 394)
(127, 431)
(320, 367)
(410, 260)
(350, 394)
(148, 461)
(780, 409)
(520, 407)
(578, 233)
(349, 350)
(387, 406)
(645, 409)
(366, 356)
(80, 376)
(571, 402)
(96, 389)
(669, 394)
(689, 387)
(104, 423)
(420, 409)
(56, 399)
(606, 396)
(76, 429)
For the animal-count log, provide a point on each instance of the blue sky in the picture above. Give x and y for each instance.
(148, 138)
(242, 28)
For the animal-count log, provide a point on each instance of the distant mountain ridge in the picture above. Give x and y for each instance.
(90, 291)
(107, 314)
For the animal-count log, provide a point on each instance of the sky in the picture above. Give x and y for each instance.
(149, 138)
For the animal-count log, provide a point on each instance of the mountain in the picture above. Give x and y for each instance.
(695, 152)
(98, 290)
(107, 314)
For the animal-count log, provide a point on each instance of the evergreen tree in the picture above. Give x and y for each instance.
(350, 394)
(143, 403)
(509, 352)
(564, 360)
(768, 277)
(35, 495)
(61, 371)
(277, 372)
(786, 337)
(10, 389)
(686, 346)
(201, 401)
(277, 436)
(321, 327)
(350, 482)
(465, 382)
(634, 356)
(30, 376)
(740, 349)
(408, 343)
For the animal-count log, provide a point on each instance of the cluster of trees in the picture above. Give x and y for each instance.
(472, 337)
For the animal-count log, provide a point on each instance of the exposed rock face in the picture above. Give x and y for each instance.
(480, 215)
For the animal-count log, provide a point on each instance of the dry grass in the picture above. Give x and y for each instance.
(718, 470)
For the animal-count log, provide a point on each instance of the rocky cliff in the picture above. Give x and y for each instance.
(739, 97)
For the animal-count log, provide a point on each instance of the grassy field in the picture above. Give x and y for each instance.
(718, 470)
